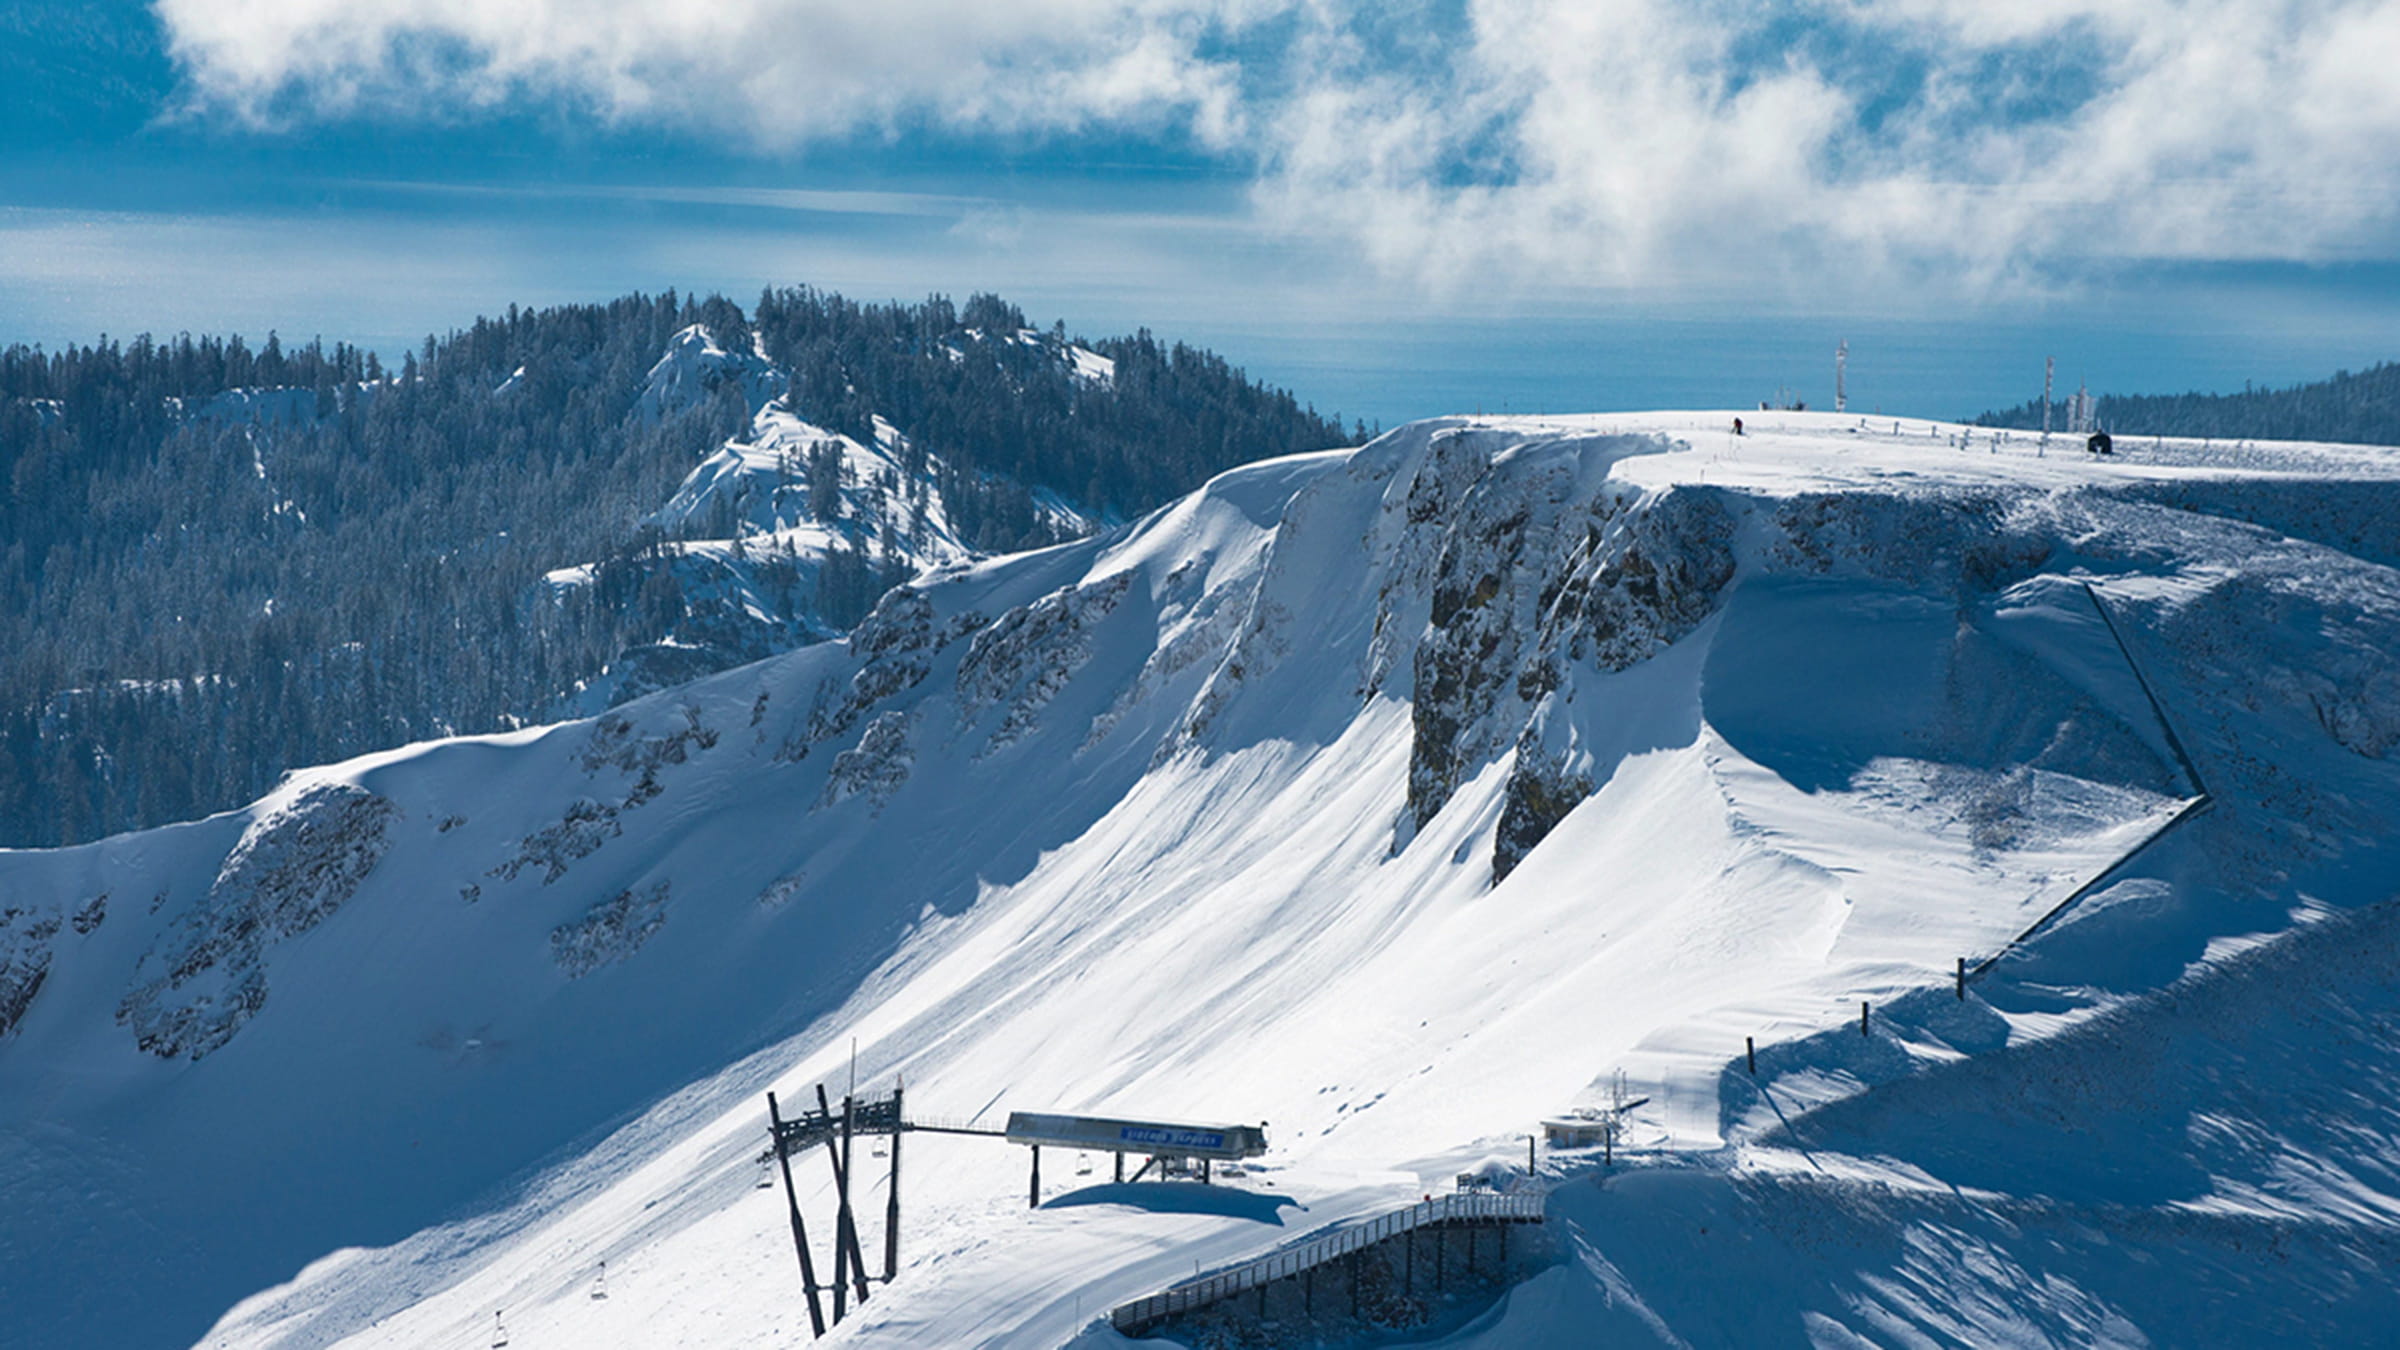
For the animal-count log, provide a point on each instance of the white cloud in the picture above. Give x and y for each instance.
(1904, 138)
(1650, 140)
(782, 72)
(1608, 142)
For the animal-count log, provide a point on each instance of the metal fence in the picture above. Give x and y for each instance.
(1468, 1208)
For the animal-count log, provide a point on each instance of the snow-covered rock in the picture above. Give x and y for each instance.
(751, 531)
(610, 931)
(876, 766)
(694, 367)
(1022, 660)
(292, 868)
(25, 937)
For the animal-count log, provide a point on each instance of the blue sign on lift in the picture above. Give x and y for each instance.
(1157, 1138)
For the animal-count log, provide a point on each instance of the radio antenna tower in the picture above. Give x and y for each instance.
(1841, 364)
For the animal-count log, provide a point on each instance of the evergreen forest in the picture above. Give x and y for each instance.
(2360, 409)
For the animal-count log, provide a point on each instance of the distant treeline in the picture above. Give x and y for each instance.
(2363, 408)
(221, 561)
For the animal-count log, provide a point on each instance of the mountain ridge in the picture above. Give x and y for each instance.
(1131, 822)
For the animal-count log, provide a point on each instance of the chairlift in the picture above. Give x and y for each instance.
(499, 1332)
(600, 1283)
(1083, 1164)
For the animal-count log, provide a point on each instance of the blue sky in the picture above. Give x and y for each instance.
(1396, 210)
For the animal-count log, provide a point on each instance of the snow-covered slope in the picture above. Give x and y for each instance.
(1397, 797)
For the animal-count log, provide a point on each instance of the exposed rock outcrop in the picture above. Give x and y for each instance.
(1534, 575)
(876, 766)
(25, 937)
(1025, 657)
(291, 870)
(609, 931)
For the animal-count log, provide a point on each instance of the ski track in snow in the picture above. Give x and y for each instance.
(1161, 854)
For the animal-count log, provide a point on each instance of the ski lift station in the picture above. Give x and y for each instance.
(1171, 1147)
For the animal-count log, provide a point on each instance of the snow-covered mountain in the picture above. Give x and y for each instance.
(750, 536)
(1397, 797)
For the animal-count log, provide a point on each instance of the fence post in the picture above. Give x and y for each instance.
(1962, 979)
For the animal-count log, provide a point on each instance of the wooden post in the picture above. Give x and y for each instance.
(1033, 1192)
(1862, 1018)
(1120, 1157)
(791, 1198)
(1204, 1171)
(891, 1212)
(1962, 979)
(1531, 1166)
(1750, 1048)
